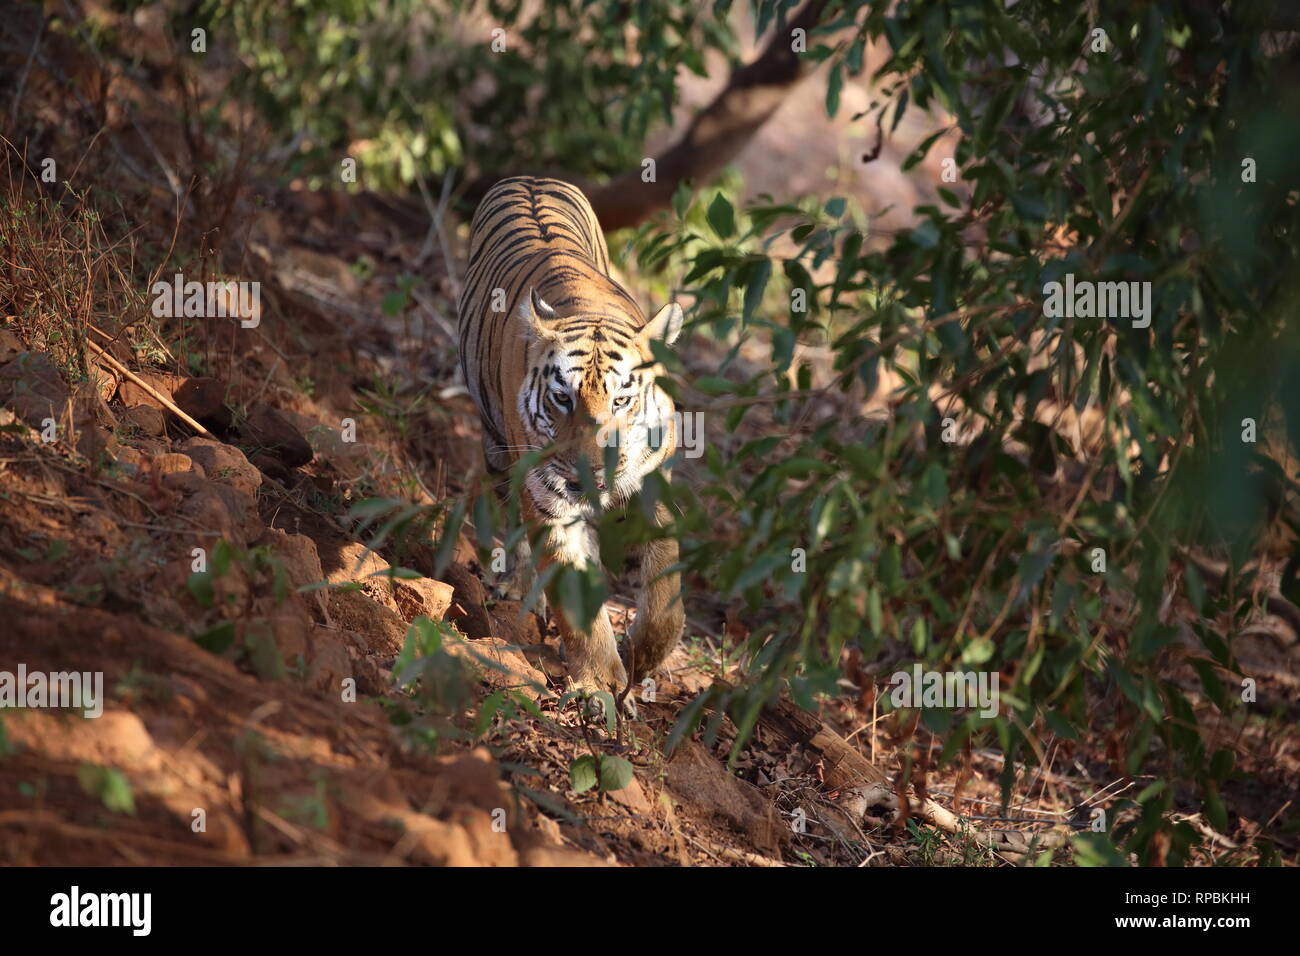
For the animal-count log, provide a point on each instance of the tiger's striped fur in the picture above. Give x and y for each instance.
(556, 354)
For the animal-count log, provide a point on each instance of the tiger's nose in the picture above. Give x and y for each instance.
(576, 486)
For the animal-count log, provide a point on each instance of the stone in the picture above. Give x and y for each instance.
(32, 387)
(328, 664)
(204, 399)
(423, 597)
(302, 565)
(500, 666)
(467, 611)
(148, 419)
(173, 463)
(265, 429)
(94, 440)
(223, 463)
(698, 779)
(513, 624)
(225, 510)
(131, 394)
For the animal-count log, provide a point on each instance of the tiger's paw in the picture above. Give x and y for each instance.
(597, 672)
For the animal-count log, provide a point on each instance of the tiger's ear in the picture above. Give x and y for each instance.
(666, 324)
(537, 315)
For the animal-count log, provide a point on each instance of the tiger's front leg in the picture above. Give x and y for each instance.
(660, 614)
(593, 658)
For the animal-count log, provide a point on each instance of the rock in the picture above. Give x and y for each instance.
(425, 597)
(225, 510)
(267, 430)
(105, 380)
(271, 467)
(499, 666)
(173, 463)
(370, 680)
(148, 419)
(352, 561)
(381, 629)
(32, 386)
(514, 625)
(117, 738)
(633, 797)
(204, 398)
(126, 455)
(697, 778)
(467, 611)
(94, 440)
(130, 394)
(402, 599)
(223, 463)
(187, 482)
(289, 629)
(302, 565)
(150, 447)
(328, 664)
(10, 344)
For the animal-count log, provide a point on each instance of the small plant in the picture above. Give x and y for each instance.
(605, 772)
(110, 785)
(232, 619)
(439, 685)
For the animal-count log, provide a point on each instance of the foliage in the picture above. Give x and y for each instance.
(411, 89)
(963, 554)
(1116, 164)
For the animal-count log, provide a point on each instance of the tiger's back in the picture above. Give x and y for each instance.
(527, 233)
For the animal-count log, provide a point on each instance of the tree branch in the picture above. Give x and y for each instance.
(718, 134)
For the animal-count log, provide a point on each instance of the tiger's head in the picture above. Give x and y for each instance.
(590, 384)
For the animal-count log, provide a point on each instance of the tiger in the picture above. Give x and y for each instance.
(556, 355)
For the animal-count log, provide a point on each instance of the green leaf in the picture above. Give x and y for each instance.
(1215, 811)
(978, 652)
(396, 573)
(714, 385)
(393, 303)
(722, 217)
(615, 773)
(834, 85)
(200, 586)
(755, 287)
(109, 784)
(217, 639)
(582, 773)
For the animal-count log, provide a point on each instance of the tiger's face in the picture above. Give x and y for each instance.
(590, 386)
